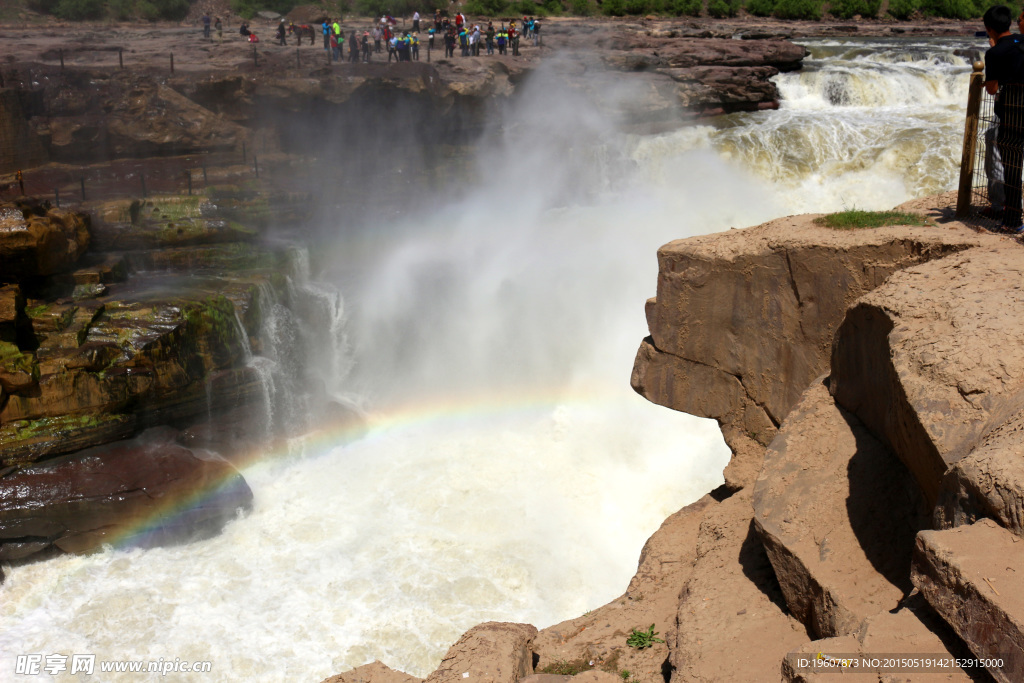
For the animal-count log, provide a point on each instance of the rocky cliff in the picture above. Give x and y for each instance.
(868, 382)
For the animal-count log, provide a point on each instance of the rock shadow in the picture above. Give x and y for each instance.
(885, 506)
(758, 568)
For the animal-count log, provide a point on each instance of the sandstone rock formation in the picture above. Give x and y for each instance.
(491, 652)
(970, 576)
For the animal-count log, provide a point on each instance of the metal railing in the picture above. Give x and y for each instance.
(988, 160)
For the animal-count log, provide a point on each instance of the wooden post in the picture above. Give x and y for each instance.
(61, 58)
(120, 57)
(255, 166)
(82, 180)
(189, 174)
(963, 197)
(172, 62)
(255, 57)
(56, 195)
(21, 183)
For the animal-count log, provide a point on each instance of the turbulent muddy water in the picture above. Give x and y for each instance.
(509, 472)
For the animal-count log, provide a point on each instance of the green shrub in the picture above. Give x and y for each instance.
(845, 9)
(682, 8)
(721, 9)
(43, 6)
(487, 8)
(79, 9)
(581, 8)
(798, 9)
(950, 9)
(614, 8)
(638, 7)
(154, 10)
(903, 9)
(761, 8)
(248, 8)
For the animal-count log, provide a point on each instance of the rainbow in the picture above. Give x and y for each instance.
(447, 413)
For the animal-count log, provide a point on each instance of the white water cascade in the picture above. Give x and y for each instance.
(509, 472)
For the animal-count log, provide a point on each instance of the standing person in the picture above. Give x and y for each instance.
(220, 29)
(464, 41)
(335, 47)
(502, 39)
(416, 21)
(474, 36)
(353, 46)
(206, 25)
(459, 21)
(326, 26)
(366, 46)
(282, 33)
(490, 38)
(1004, 79)
(513, 38)
(415, 47)
(535, 27)
(449, 44)
(337, 30)
(437, 21)
(377, 33)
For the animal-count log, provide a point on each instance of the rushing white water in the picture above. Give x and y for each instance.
(509, 472)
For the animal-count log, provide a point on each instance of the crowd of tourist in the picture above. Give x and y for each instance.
(404, 45)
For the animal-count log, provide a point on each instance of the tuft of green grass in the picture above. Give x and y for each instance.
(564, 668)
(641, 640)
(855, 219)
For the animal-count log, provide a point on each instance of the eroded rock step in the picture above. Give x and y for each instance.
(974, 578)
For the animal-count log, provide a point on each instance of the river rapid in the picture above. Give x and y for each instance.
(508, 472)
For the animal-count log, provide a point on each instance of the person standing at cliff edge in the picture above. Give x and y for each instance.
(1004, 79)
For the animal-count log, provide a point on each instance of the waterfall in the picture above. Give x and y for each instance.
(508, 471)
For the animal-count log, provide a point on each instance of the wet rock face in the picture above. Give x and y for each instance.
(143, 492)
(36, 240)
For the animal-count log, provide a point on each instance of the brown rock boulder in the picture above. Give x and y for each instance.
(762, 304)
(731, 623)
(840, 556)
(492, 652)
(374, 672)
(989, 482)
(37, 240)
(142, 492)
(971, 576)
(920, 362)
